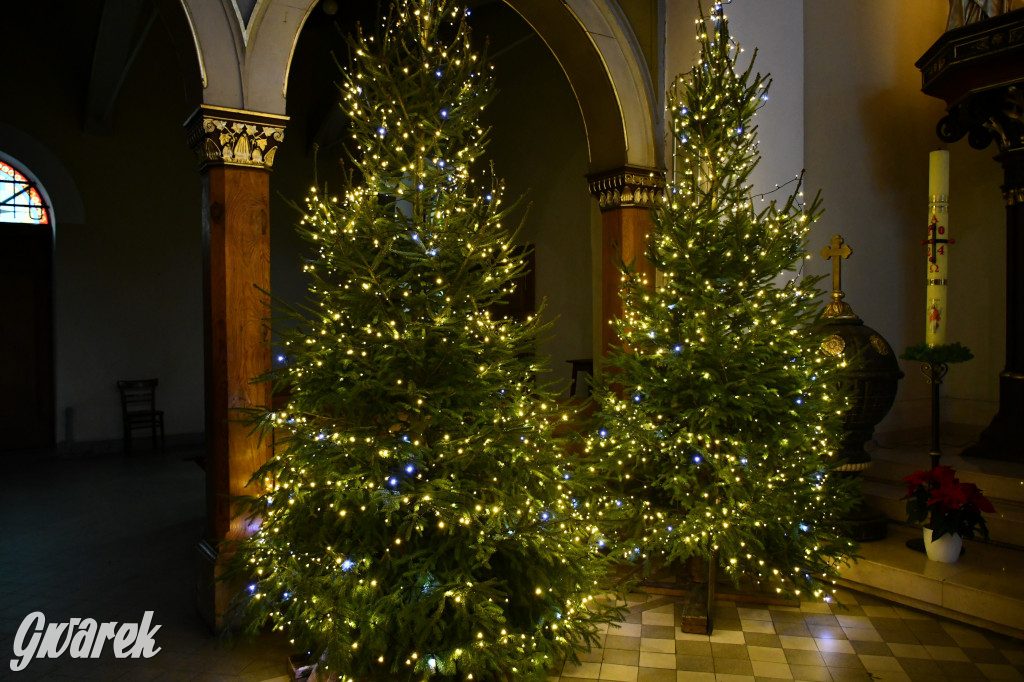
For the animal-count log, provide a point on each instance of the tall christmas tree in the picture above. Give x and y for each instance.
(419, 519)
(719, 417)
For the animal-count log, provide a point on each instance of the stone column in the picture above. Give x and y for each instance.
(236, 151)
(625, 196)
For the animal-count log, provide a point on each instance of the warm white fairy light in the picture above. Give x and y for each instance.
(721, 447)
(415, 474)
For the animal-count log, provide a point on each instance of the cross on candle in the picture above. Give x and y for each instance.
(836, 252)
(938, 247)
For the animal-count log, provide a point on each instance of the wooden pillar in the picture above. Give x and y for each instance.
(625, 196)
(1003, 438)
(236, 151)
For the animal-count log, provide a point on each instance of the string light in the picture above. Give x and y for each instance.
(419, 516)
(729, 452)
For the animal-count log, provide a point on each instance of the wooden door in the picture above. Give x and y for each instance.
(26, 337)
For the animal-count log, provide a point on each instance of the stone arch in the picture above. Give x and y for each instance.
(241, 59)
(601, 59)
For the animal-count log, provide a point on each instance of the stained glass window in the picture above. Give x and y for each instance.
(20, 201)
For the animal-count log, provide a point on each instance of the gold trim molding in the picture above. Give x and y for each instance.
(232, 137)
(1014, 196)
(628, 187)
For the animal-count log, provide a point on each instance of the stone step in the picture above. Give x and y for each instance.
(1005, 526)
(998, 480)
(985, 588)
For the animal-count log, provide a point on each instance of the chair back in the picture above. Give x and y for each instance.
(137, 395)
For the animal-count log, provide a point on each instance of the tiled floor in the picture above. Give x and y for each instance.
(864, 639)
(112, 537)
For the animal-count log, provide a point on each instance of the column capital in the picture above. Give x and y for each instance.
(628, 187)
(232, 137)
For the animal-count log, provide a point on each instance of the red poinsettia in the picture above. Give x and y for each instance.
(937, 498)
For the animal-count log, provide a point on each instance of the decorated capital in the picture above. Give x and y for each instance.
(232, 137)
(628, 187)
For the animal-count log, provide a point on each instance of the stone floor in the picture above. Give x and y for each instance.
(863, 638)
(111, 537)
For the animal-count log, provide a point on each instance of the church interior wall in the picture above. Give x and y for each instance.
(128, 282)
(845, 104)
(539, 147)
(868, 133)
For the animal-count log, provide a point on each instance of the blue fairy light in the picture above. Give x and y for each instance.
(696, 459)
(603, 433)
(804, 527)
(393, 482)
(678, 349)
(444, 113)
(252, 588)
(347, 565)
(382, 131)
(410, 469)
(545, 516)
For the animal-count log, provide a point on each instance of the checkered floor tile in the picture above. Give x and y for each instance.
(860, 639)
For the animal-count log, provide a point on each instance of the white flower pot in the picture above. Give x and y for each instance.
(946, 549)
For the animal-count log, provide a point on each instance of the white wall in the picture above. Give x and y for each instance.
(868, 134)
(845, 104)
(775, 29)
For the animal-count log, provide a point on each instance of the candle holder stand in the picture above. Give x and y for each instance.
(935, 361)
(934, 372)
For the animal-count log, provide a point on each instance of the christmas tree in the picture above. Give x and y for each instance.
(719, 416)
(419, 517)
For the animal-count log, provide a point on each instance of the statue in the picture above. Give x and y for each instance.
(963, 12)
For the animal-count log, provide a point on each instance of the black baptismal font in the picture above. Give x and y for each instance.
(870, 378)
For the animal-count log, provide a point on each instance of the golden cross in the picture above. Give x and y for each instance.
(836, 253)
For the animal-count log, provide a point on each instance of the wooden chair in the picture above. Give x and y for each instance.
(138, 410)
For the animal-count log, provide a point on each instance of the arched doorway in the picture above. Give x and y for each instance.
(26, 322)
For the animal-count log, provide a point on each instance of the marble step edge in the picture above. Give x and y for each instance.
(998, 480)
(973, 591)
(1006, 525)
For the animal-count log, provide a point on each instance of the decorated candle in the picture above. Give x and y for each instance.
(938, 246)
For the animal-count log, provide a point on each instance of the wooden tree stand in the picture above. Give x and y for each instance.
(695, 586)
